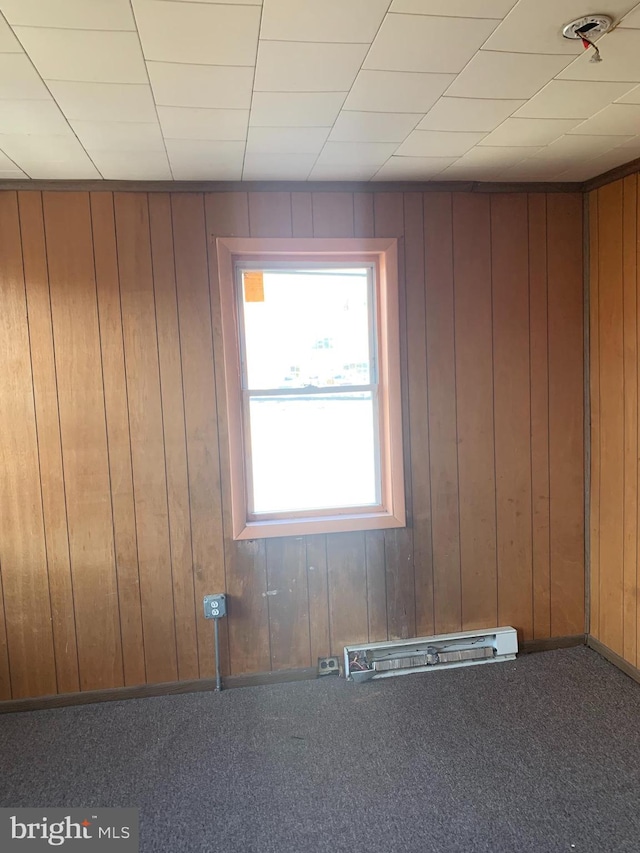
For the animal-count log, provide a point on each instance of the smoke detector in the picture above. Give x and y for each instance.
(591, 26)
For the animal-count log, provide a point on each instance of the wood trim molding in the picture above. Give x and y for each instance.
(614, 658)
(205, 685)
(145, 691)
(289, 186)
(612, 175)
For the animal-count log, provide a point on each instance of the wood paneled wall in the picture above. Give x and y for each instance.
(614, 227)
(114, 485)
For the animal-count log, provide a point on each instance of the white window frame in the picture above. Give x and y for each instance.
(256, 253)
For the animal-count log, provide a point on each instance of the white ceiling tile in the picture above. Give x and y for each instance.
(11, 174)
(41, 118)
(373, 127)
(492, 74)
(396, 91)
(535, 26)
(132, 165)
(455, 8)
(70, 14)
(286, 140)
(468, 114)
(104, 101)
(199, 159)
(226, 2)
(529, 131)
(426, 43)
(632, 19)
(322, 172)
(7, 165)
(530, 171)
(119, 136)
(619, 50)
(570, 149)
(49, 156)
(277, 167)
(616, 119)
(461, 171)
(486, 163)
(8, 42)
(412, 168)
(435, 143)
(219, 87)
(296, 67)
(633, 142)
(597, 166)
(571, 99)
(87, 55)
(192, 123)
(360, 154)
(295, 109)
(498, 157)
(632, 96)
(198, 33)
(19, 79)
(329, 21)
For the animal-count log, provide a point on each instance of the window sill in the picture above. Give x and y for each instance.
(320, 524)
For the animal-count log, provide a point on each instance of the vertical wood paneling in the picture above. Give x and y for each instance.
(5, 676)
(147, 438)
(594, 390)
(539, 349)
(332, 214)
(374, 543)
(614, 235)
(36, 277)
(118, 436)
(630, 331)
(201, 415)
(418, 426)
(175, 438)
(247, 627)
(512, 407)
(475, 408)
(347, 590)
(566, 412)
(76, 335)
(375, 557)
(443, 457)
(22, 542)
(388, 211)
(289, 603)
(318, 588)
(136, 463)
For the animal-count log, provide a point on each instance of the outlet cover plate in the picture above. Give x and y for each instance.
(329, 666)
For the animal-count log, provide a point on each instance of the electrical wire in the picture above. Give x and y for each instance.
(587, 43)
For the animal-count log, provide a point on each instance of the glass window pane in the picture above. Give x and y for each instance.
(313, 452)
(309, 327)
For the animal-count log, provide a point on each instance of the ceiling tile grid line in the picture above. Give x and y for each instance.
(157, 167)
(26, 123)
(299, 89)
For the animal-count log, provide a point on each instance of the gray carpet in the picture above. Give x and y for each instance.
(541, 754)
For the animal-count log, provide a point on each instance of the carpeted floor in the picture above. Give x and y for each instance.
(532, 756)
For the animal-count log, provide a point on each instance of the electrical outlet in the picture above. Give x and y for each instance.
(329, 666)
(215, 606)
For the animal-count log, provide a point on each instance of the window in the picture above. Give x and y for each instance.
(310, 332)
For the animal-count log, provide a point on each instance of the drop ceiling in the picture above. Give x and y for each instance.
(314, 90)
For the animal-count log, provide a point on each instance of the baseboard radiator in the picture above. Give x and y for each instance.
(427, 654)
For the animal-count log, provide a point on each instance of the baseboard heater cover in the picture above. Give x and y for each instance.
(426, 654)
